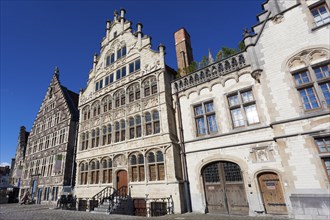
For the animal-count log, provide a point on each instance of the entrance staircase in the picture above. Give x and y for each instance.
(112, 201)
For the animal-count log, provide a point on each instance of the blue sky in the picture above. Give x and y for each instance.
(38, 35)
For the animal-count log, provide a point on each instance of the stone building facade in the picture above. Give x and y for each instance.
(18, 161)
(127, 138)
(49, 158)
(256, 124)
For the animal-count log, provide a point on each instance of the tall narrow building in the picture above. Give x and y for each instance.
(18, 161)
(127, 138)
(49, 159)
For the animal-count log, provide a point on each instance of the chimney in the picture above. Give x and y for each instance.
(183, 50)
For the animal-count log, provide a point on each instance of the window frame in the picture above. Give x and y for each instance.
(317, 6)
(313, 83)
(241, 105)
(204, 116)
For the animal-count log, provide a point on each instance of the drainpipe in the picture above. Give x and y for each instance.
(183, 158)
(74, 153)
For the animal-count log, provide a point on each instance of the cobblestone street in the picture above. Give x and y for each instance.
(42, 212)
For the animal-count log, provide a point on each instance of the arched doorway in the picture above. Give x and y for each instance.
(122, 181)
(272, 194)
(224, 188)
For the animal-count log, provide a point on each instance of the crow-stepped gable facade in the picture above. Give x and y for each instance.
(49, 159)
(127, 131)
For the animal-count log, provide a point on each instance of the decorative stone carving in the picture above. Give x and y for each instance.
(278, 19)
(256, 74)
(262, 154)
(120, 161)
(151, 102)
(148, 68)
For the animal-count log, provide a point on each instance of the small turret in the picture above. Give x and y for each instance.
(122, 17)
(94, 61)
(57, 72)
(139, 33)
(115, 15)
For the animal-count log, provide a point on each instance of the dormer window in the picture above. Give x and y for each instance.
(121, 52)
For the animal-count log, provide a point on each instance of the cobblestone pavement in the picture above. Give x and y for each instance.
(43, 212)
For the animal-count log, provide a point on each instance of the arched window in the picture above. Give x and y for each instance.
(133, 92)
(97, 137)
(82, 141)
(95, 169)
(137, 168)
(87, 139)
(131, 128)
(117, 134)
(109, 133)
(138, 126)
(109, 104)
(107, 171)
(155, 120)
(152, 124)
(122, 99)
(104, 135)
(156, 166)
(93, 138)
(83, 173)
(122, 130)
(148, 123)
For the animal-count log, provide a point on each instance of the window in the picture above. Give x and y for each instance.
(117, 134)
(121, 52)
(121, 73)
(97, 137)
(93, 138)
(323, 145)
(321, 14)
(62, 136)
(313, 85)
(97, 86)
(205, 118)
(110, 59)
(83, 141)
(156, 166)
(148, 124)
(243, 108)
(104, 135)
(107, 171)
(83, 173)
(131, 128)
(109, 133)
(122, 130)
(138, 126)
(137, 168)
(86, 140)
(155, 120)
(94, 177)
(134, 66)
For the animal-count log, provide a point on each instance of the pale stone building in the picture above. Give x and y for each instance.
(256, 124)
(127, 138)
(49, 157)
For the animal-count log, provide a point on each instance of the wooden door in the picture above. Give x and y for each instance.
(235, 191)
(272, 195)
(122, 179)
(214, 189)
(224, 189)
